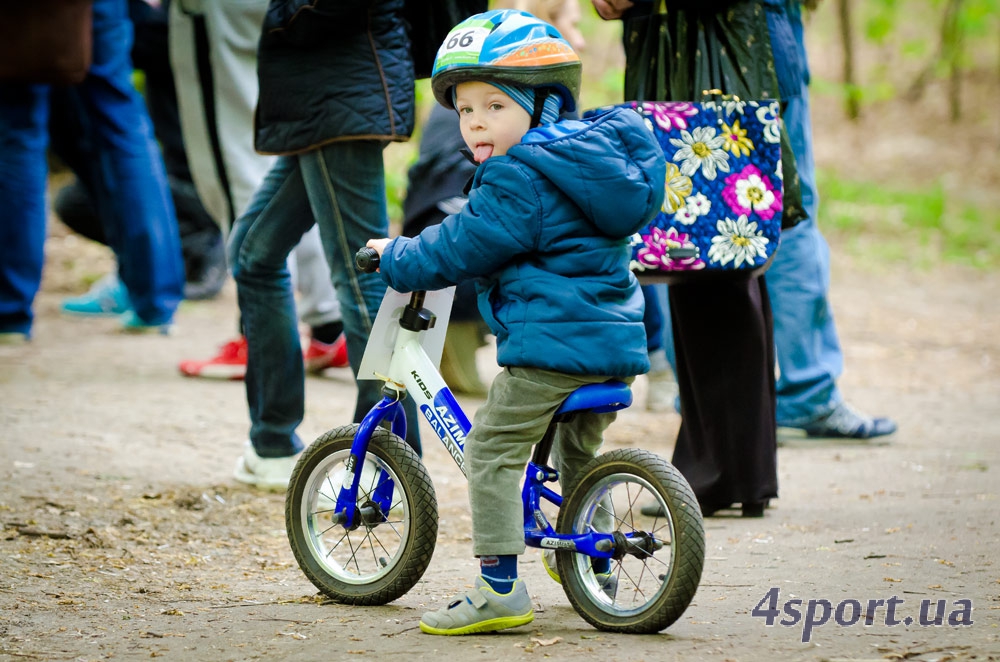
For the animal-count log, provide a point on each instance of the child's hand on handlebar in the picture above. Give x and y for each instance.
(378, 245)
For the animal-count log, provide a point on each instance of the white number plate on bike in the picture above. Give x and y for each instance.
(382, 341)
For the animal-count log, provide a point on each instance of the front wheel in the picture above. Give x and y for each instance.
(658, 560)
(386, 554)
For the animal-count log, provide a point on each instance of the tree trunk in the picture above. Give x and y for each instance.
(949, 52)
(851, 101)
(954, 43)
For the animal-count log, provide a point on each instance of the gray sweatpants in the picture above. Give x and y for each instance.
(233, 30)
(517, 412)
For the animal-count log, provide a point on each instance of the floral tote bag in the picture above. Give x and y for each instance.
(704, 81)
(722, 204)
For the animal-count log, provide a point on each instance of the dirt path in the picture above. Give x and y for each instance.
(124, 536)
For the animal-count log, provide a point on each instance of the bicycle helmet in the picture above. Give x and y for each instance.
(510, 47)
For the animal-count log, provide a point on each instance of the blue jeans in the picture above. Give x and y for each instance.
(342, 187)
(652, 317)
(123, 166)
(666, 328)
(808, 351)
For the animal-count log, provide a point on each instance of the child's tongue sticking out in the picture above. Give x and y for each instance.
(483, 152)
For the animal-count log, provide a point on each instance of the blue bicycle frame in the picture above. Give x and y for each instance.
(413, 374)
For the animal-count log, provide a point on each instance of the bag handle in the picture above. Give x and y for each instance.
(653, 47)
(653, 71)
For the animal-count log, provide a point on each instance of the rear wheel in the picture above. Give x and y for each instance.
(386, 554)
(658, 560)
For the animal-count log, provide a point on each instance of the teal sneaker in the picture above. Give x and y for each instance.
(132, 323)
(106, 298)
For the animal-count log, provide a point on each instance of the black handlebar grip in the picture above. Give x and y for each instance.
(367, 260)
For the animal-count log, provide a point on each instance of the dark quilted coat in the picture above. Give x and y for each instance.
(333, 70)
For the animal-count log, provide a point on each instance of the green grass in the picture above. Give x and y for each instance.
(922, 227)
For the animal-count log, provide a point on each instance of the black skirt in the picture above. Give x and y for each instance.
(724, 339)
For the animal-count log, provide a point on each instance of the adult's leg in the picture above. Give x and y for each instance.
(200, 236)
(193, 82)
(652, 319)
(663, 297)
(726, 446)
(810, 358)
(661, 386)
(259, 246)
(201, 239)
(233, 28)
(214, 57)
(213, 51)
(23, 180)
(318, 303)
(346, 186)
(133, 199)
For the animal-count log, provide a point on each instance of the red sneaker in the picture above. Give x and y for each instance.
(319, 356)
(229, 363)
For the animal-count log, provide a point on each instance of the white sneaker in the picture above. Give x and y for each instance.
(266, 473)
(366, 486)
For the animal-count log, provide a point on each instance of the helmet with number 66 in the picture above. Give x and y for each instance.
(507, 46)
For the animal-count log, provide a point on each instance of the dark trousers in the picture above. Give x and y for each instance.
(724, 339)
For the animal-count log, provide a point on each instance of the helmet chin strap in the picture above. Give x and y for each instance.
(541, 95)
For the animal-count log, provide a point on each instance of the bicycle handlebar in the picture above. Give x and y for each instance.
(367, 260)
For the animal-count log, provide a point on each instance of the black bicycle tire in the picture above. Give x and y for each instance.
(689, 542)
(418, 489)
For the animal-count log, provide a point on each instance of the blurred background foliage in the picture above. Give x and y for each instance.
(906, 118)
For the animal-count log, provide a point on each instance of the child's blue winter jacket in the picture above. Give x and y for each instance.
(546, 231)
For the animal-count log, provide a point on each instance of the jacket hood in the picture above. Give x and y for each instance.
(580, 156)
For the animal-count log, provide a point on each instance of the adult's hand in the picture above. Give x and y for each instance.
(610, 10)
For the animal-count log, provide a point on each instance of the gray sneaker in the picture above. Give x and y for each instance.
(481, 610)
(844, 422)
